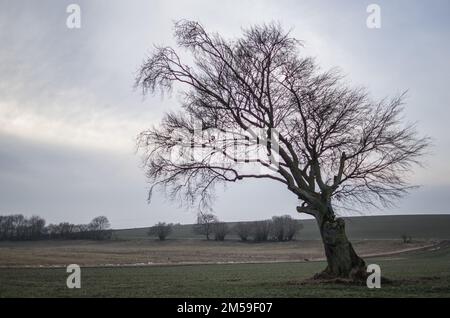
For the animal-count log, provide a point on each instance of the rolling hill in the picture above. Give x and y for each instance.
(360, 227)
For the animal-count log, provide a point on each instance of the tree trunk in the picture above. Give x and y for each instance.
(343, 262)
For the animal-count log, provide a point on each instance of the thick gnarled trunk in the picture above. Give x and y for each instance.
(343, 262)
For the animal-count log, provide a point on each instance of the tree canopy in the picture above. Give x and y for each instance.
(332, 141)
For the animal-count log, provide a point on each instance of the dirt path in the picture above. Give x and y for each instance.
(405, 250)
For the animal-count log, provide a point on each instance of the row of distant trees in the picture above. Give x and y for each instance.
(17, 227)
(279, 228)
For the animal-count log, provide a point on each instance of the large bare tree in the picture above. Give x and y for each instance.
(334, 144)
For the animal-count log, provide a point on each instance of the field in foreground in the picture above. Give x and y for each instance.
(277, 269)
(416, 274)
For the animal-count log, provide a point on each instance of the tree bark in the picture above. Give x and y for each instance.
(343, 262)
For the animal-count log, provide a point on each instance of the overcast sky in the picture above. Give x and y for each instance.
(69, 115)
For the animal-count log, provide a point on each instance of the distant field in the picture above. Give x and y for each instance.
(150, 252)
(364, 227)
(415, 274)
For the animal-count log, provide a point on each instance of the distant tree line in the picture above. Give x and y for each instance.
(279, 228)
(17, 227)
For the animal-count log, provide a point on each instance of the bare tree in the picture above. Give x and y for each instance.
(205, 222)
(243, 230)
(161, 230)
(99, 223)
(292, 228)
(278, 228)
(334, 143)
(18, 227)
(99, 227)
(261, 230)
(220, 230)
(37, 226)
(284, 227)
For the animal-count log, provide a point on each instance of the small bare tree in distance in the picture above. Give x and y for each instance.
(292, 228)
(99, 223)
(220, 230)
(243, 230)
(161, 230)
(100, 226)
(261, 230)
(335, 143)
(284, 227)
(205, 223)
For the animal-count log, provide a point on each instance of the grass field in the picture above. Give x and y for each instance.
(133, 265)
(414, 274)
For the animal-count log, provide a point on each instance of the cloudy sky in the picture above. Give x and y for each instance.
(69, 115)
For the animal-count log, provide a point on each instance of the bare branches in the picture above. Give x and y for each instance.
(334, 141)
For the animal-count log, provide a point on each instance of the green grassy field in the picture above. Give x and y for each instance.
(414, 274)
